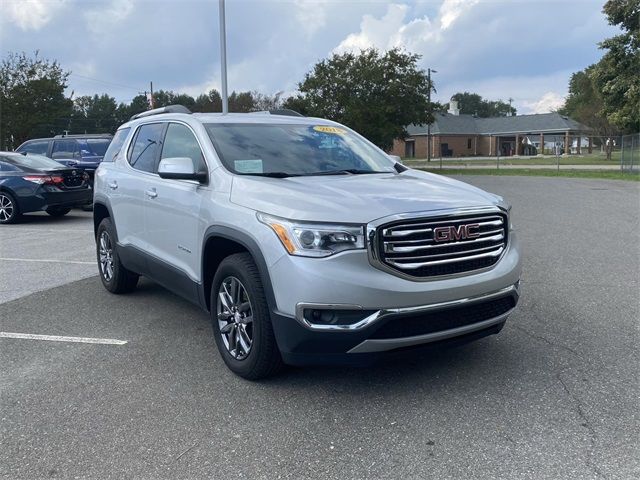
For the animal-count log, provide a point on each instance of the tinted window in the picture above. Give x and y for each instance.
(116, 145)
(145, 149)
(180, 142)
(7, 167)
(295, 149)
(35, 146)
(64, 149)
(98, 146)
(38, 162)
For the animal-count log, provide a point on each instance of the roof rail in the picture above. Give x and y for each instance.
(158, 111)
(84, 135)
(285, 111)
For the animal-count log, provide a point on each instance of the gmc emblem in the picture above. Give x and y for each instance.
(461, 232)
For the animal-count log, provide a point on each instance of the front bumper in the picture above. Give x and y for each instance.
(349, 284)
(393, 330)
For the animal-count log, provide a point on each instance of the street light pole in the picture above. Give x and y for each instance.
(223, 60)
(430, 113)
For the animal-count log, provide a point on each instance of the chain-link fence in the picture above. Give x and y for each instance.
(630, 153)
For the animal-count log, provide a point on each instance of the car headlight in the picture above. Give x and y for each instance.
(308, 239)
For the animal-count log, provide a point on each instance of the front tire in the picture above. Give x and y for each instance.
(241, 320)
(57, 212)
(9, 212)
(115, 277)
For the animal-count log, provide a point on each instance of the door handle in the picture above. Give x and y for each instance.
(151, 193)
(113, 185)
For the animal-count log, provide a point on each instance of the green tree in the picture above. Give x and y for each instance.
(585, 104)
(376, 94)
(617, 74)
(97, 114)
(474, 104)
(210, 102)
(32, 100)
(162, 98)
(241, 102)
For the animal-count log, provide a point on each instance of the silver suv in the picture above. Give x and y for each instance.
(305, 242)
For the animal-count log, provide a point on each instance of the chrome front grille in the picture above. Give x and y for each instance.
(442, 245)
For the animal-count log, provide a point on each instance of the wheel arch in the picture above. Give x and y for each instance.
(220, 242)
(100, 212)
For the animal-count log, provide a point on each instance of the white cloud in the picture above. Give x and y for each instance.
(30, 14)
(530, 93)
(311, 16)
(101, 19)
(451, 10)
(548, 102)
(382, 33)
(391, 30)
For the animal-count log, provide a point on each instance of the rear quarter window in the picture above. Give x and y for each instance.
(116, 145)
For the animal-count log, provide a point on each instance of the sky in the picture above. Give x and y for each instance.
(520, 49)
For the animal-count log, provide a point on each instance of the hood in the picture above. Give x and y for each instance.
(355, 198)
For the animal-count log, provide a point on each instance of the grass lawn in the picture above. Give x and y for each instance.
(602, 174)
(593, 159)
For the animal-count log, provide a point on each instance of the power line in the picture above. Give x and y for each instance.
(106, 82)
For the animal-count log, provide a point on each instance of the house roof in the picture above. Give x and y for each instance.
(448, 124)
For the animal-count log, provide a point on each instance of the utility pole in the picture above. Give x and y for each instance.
(223, 59)
(430, 114)
(152, 101)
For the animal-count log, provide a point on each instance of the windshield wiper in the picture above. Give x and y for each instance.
(346, 171)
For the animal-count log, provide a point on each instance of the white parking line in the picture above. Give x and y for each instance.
(46, 260)
(57, 338)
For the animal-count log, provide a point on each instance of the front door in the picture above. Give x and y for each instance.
(172, 209)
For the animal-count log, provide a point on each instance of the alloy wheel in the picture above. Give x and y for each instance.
(235, 318)
(106, 256)
(6, 208)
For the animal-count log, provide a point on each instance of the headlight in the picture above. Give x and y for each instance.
(314, 239)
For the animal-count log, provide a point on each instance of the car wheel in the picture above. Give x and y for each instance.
(115, 277)
(241, 320)
(9, 212)
(57, 212)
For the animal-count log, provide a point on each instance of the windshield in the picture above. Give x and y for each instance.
(37, 162)
(259, 149)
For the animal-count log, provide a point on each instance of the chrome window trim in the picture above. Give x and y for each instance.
(372, 239)
(379, 314)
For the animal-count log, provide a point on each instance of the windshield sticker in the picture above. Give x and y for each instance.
(326, 129)
(248, 166)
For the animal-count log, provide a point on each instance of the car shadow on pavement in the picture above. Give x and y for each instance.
(73, 218)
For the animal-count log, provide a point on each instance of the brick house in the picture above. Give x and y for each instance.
(455, 135)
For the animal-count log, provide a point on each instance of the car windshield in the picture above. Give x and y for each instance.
(37, 162)
(291, 150)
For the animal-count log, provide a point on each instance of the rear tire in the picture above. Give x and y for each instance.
(57, 212)
(243, 319)
(9, 211)
(114, 276)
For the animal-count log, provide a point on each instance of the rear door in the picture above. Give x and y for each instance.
(65, 151)
(172, 207)
(126, 185)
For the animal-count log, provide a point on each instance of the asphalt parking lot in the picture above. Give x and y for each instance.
(555, 395)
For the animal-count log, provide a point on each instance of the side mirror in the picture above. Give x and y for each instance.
(396, 159)
(180, 168)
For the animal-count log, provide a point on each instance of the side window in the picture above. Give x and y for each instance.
(116, 145)
(180, 142)
(144, 150)
(39, 147)
(64, 149)
(7, 167)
